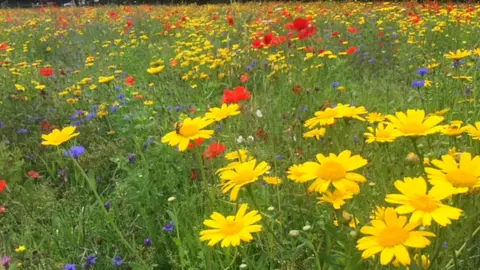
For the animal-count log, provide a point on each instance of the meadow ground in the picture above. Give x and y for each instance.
(256, 136)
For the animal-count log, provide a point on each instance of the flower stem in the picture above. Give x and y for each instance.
(108, 217)
(204, 176)
(459, 251)
(419, 154)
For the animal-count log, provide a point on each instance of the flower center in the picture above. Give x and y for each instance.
(331, 171)
(392, 236)
(189, 130)
(461, 178)
(231, 227)
(424, 203)
(245, 177)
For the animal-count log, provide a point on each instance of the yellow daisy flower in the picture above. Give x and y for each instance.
(231, 230)
(326, 117)
(315, 133)
(218, 114)
(474, 131)
(414, 123)
(453, 129)
(458, 55)
(273, 180)
(57, 137)
(462, 176)
(374, 117)
(188, 130)
(391, 237)
(336, 198)
(383, 133)
(155, 70)
(107, 79)
(424, 205)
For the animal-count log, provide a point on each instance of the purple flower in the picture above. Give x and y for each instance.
(445, 245)
(2, 124)
(303, 109)
(6, 260)
(131, 158)
(70, 267)
(75, 152)
(278, 157)
(423, 71)
(117, 261)
(147, 242)
(91, 260)
(335, 84)
(22, 131)
(418, 84)
(169, 227)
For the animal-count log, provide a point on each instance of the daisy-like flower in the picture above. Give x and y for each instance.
(349, 111)
(296, 173)
(155, 70)
(316, 133)
(336, 198)
(375, 117)
(107, 79)
(272, 180)
(458, 55)
(227, 110)
(424, 205)
(378, 213)
(335, 170)
(391, 237)
(462, 176)
(57, 137)
(382, 133)
(453, 129)
(231, 230)
(326, 117)
(240, 175)
(414, 123)
(474, 131)
(188, 130)
(241, 155)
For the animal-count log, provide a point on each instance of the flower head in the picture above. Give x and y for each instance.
(213, 151)
(70, 267)
(3, 185)
(75, 152)
(57, 137)
(169, 227)
(223, 112)
(21, 249)
(382, 133)
(424, 205)
(273, 180)
(231, 230)
(334, 170)
(453, 129)
(117, 260)
(316, 133)
(91, 260)
(374, 117)
(236, 95)
(155, 70)
(326, 117)
(107, 79)
(458, 55)
(414, 123)
(242, 174)
(462, 176)
(188, 130)
(391, 237)
(474, 131)
(336, 198)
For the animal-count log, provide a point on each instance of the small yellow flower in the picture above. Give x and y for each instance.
(453, 129)
(458, 55)
(155, 70)
(148, 103)
(20, 249)
(272, 180)
(316, 133)
(336, 198)
(20, 87)
(40, 87)
(92, 87)
(218, 114)
(108, 79)
(374, 117)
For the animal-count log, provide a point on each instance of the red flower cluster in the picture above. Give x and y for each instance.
(47, 72)
(268, 40)
(3, 185)
(236, 95)
(213, 151)
(303, 26)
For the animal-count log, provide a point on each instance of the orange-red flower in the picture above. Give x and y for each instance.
(213, 151)
(47, 72)
(3, 185)
(130, 80)
(236, 95)
(34, 174)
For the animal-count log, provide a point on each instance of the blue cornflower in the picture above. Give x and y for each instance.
(118, 88)
(169, 108)
(70, 267)
(131, 158)
(22, 131)
(169, 227)
(278, 157)
(418, 84)
(91, 260)
(423, 71)
(303, 109)
(75, 152)
(2, 124)
(107, 205)
(117, 261)
(219, 127)
(335, 84)
(114, 109)
(178, 108)
(90, 116)
(147, 143)
(121, 96)
(147, 242)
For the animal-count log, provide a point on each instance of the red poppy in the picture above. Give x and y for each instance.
(113, 15)
(193, 110)
(351, 50)
(34, 174)
(415, 19)
(129, 23)
(300, 24)
(257, 44)
(353, 30)
(2, 209)
(3, 185)
(3, 46)
(335, 34)
(213, 151)
(297, 89)
(193, 174)
(268, 38)
(235, 95)
(230, 20)
(173, 63)
(244, 78)
(47, 72)
(130, 80)
(198, 142)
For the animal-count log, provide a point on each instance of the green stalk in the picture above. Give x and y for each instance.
(108, 217)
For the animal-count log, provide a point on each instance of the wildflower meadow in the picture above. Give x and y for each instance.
(320, 135)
